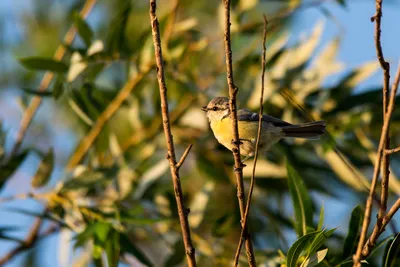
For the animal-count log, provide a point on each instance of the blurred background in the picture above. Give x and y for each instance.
(113, 201)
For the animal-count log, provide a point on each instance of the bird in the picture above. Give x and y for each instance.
(273, 129)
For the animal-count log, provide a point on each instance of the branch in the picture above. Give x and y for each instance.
(47, 78)
(386, 80)
(184, 156)
(382, 222)
(88, 140)
(30, 240)
(260, 115)
(383, 144)
(392, 151)
(182, 211)
(236, 142)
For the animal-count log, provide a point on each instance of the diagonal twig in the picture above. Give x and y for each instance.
(260, 115)
(392, 151)
(184, 156)
(236, 142)
(46, 80)
(182, 211)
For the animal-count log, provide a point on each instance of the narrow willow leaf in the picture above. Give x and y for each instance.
(350, 243)
(37, 92)
(315, 259)
(318, 241)
(301, 201)
(84, 30)
(38, 63)
(128, 247)
(392, 255)
(58, 86)
(9, 167)
(379, 246)
(321, 218)
(298, 247)
(112, 248)
(44, 170)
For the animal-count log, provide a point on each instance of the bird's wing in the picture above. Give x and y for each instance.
(248, 115)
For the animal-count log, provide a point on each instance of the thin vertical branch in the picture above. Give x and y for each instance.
(382, 159)
(47, 78)
(385, 92)
(382, 222)
(236, 142)
(182, 211)
(260, 115)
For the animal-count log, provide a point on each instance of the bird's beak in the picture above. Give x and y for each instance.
(204, 108)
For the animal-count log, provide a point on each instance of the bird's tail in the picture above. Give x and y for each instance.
(309, 130)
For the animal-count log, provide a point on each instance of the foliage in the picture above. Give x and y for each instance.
(119, 200)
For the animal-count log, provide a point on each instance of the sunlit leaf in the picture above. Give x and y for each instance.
(38, 63)
(318, 241)
(298, 248)
(78, 65)
(321, 218)
(44, 170)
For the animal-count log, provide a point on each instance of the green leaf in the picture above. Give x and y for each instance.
(298, 247)
(47, 64)
(128, 247)
(301, 201)
(379, 245)
(392, 256)
(318, 241)
(84, 30)
(350, 243)
(9, 167)
(44, 170)
(112, 248)
(58, 86)
(84, 236)
(36, 92)
(321, 218)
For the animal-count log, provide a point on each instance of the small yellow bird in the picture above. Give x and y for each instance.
(273, 129)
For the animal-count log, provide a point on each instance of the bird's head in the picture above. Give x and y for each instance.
(217, 109)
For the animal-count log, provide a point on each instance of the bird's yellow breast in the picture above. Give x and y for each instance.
(223, 131)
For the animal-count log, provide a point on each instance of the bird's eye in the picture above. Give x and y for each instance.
(215, 108)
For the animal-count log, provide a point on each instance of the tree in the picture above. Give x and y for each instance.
(113, 192)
